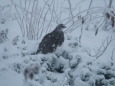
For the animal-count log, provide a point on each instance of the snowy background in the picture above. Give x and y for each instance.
(87, 56)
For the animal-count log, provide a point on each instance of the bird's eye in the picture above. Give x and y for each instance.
(63, 26)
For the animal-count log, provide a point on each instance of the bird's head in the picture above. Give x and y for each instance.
(60, 27)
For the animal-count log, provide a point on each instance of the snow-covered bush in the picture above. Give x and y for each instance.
(15, 40)
(17, 67)
(65, 67)
(3, 35)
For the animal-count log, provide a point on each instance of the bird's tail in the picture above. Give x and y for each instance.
(35, 53)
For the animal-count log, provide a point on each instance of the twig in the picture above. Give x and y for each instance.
(82, 12)
(47, 27)
(100, 51)
(32, 19)
(84, 24)
(70, 8)
(42, 26)
(81, 34)
(112, 54)
(90, 6)
(110, 3)
(75, 23)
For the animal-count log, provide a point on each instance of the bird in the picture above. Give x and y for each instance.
(51, 40)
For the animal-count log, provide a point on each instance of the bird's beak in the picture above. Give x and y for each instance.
(64, 26)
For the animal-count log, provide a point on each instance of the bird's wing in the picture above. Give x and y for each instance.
(48, 40)
(48, 37)
(53, 38)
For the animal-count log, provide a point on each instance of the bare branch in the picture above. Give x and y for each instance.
(90, 6)
(47, 26)
(112, 54)
(43, 22)
(78, 25)
(101, 8)
(100, 51)
(81, 34)
(85, 17)
(110, 3)
(70, 8)
(32, 18)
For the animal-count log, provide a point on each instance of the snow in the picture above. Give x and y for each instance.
(10, 78)
(72, 64)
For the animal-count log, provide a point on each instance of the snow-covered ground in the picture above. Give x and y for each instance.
(82, 62)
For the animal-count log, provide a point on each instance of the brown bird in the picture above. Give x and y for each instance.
(52, 40)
